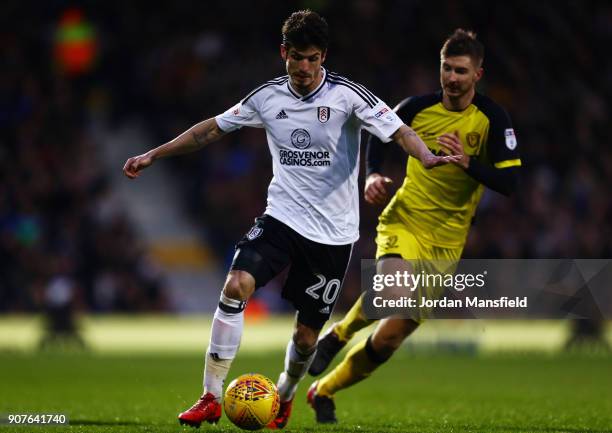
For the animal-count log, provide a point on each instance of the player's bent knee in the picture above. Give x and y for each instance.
(239, 285)
(305, 338)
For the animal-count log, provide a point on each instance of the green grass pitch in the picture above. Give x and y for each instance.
(411, 393)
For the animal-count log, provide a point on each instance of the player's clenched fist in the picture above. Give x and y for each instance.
(135, 164)
(375, 191)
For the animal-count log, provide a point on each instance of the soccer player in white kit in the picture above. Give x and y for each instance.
(313, 120)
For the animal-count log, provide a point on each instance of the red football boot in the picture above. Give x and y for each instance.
(282, 418)
(205, 409)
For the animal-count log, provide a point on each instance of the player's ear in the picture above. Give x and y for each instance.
(323, 56)
(479, 73)
(283, 52)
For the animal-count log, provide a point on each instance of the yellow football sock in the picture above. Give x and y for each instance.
(354, 321)
(356, 366)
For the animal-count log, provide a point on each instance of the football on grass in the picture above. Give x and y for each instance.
(251, 401)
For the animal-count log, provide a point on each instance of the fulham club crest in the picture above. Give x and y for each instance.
(323, 114)
(254, 233)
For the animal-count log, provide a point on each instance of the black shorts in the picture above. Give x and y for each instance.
(316, 274)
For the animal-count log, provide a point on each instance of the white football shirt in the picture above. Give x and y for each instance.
(314, 142)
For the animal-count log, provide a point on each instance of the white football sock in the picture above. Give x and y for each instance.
(296, 366)
(215, 372)
(225, 337)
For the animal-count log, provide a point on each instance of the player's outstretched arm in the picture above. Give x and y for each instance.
(414, 146)
(196, 137)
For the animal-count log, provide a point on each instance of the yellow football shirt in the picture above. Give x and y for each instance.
(437, 205)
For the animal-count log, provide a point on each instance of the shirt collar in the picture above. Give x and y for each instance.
(311, 94)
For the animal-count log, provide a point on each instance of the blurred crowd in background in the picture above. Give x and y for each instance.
(68, 73)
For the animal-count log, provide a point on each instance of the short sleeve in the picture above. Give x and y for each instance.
(378, 119)
(244, 113)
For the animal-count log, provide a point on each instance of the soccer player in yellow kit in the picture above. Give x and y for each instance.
(430, 215)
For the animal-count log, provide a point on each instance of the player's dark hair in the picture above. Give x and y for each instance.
(464, 43)
(305, 28)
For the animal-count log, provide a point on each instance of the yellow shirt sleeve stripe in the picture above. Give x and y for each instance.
(508, 163)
